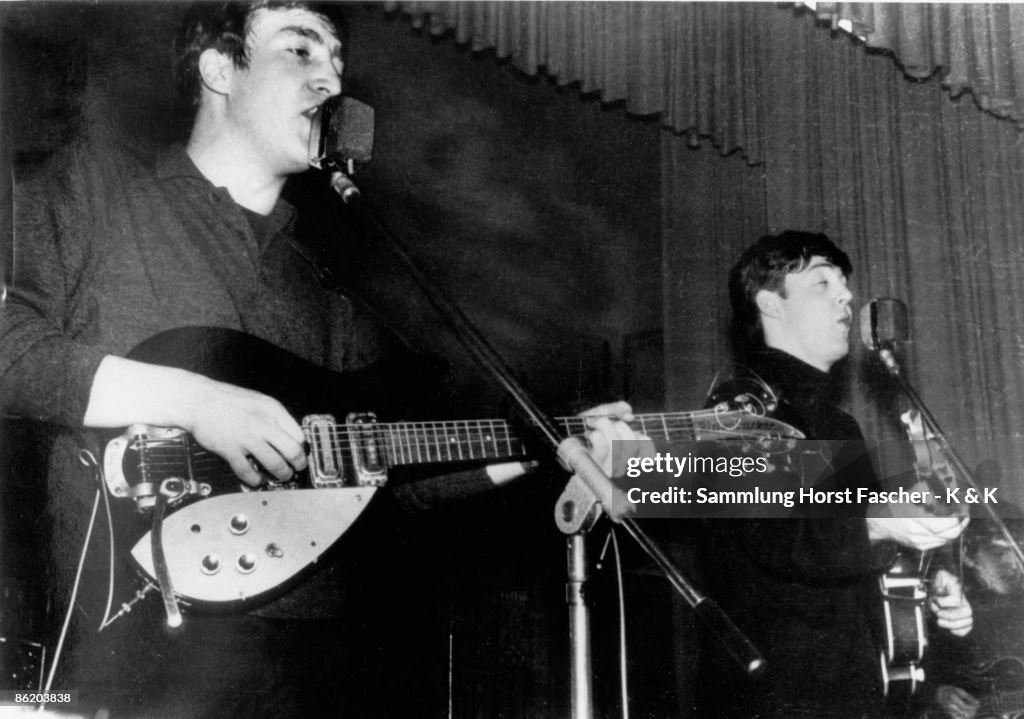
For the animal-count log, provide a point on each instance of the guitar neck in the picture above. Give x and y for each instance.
(494, 439)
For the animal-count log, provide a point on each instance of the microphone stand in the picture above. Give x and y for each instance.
(588, 493)
(887, 355)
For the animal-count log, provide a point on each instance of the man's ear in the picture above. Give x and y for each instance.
(769, 303)
(215, 69)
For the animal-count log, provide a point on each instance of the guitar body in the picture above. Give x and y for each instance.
(904, 596)
(225, 544)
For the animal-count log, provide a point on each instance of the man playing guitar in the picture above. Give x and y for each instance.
(805, 590)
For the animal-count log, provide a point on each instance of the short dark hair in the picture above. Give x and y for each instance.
(764, 266)
(225, 27)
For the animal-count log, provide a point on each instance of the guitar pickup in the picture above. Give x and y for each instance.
(369, 458)
(348, 455)
(326, 464)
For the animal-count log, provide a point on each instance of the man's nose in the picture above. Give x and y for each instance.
(326, 80)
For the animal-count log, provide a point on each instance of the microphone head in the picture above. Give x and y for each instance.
(883, 323)
(341, 132)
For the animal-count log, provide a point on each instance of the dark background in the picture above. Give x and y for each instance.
(536, 208)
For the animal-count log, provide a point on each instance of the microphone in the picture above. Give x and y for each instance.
(340, 139)
(883, 325)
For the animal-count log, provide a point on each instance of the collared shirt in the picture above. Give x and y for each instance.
(110, 253)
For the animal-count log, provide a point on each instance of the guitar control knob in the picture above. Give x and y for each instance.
(239, 524)
(246, 563)
(210, 564)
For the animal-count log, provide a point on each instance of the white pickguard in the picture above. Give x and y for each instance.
(233, 547)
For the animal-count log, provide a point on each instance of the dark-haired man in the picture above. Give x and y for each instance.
(806, 590)
(201, 238)
(113, 251)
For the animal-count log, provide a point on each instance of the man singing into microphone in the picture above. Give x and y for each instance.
(112, 251)
(806, 590)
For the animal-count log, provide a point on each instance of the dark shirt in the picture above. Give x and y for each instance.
(805, 590)
(110, 253)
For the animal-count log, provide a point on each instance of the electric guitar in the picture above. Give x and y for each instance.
(224, 543)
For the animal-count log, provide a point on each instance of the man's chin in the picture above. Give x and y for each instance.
(298, 167)
(837, 356)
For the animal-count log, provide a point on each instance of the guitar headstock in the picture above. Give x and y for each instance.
(747, 395)
(750, 432)
(741, 411)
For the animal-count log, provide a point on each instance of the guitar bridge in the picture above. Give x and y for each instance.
(138, 463)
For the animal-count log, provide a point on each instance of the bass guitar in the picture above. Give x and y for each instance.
(222, 543)
(904, 587)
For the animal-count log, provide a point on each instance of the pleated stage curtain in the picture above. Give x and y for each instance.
(969, 47)
(695, 63)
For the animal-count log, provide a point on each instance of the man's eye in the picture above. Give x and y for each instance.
(299, 51)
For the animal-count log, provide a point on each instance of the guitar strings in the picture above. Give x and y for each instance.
(413, 440)
(438, 441)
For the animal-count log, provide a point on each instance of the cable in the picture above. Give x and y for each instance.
(74, 596)
(89, 459)
(106, 622)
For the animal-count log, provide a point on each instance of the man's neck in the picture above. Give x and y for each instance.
(231, 167)
(794, 351)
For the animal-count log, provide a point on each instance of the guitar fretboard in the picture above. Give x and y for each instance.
(455, 441)
(493, 439)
